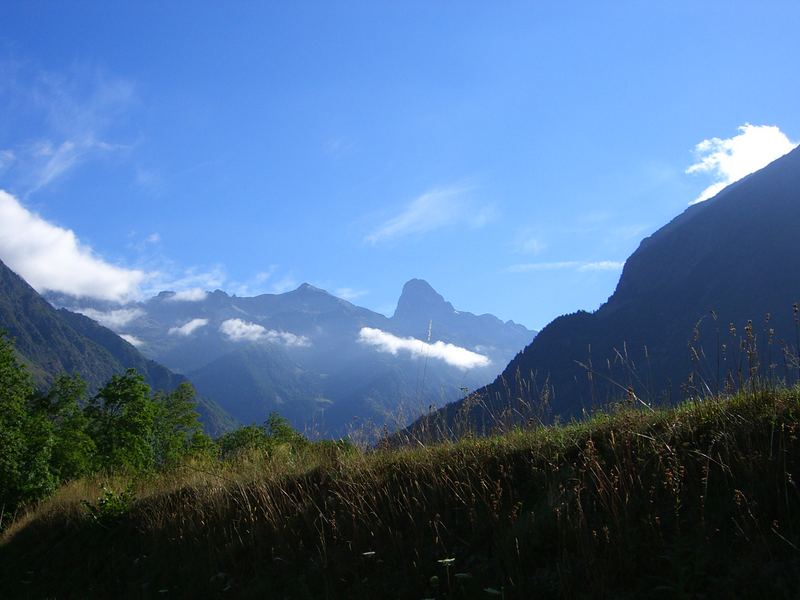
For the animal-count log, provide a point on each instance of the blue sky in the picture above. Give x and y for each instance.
(512, 154)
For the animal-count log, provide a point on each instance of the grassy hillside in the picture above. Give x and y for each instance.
(696, 501)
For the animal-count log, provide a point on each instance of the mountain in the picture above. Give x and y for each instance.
(677, 322)
(51, 342)
(322, 362)
(419, 304)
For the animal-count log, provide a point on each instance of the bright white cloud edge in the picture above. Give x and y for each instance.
(51, 258)
(237, 330)
(729, 160)
(453, 355)
(188, 328)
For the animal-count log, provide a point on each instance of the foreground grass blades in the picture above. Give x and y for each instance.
(696, 501)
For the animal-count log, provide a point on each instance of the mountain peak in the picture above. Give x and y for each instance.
(308, 288)
(420, 300)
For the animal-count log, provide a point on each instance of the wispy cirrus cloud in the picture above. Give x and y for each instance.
(433, 210)
(238, 330)
(65, 119)
(451, 354)
(572, 265)
(48, 162)
(729, 160)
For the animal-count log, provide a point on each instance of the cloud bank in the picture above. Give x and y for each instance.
(238, 330)
(188, 328)
(455, 356)
(432, 210)
(190, 295)
(113, 319)
(729, 160)
(51, 258)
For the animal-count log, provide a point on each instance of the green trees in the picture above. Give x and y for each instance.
(25, 441)
(122, 423)
(74, 449)
(48, 438)
(178, 433)
(276, 432)
(134, 430)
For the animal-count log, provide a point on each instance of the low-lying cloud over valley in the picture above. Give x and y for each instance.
(453, 355)
(237, 330)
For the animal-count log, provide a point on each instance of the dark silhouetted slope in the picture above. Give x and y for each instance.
(736, 255)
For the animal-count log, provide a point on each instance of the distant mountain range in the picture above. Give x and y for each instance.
(677, 323)
(51, 342)
(325, 364)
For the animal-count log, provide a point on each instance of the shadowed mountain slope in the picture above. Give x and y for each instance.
(51, 342)
(677, 321)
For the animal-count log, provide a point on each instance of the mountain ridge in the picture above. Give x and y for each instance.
(700, 278)
(51, 342)
(316, 336)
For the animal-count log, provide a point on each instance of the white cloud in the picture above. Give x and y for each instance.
(582, 266)
(113, 319)
(51, 258)
(188, 328)
(131, 339)
(153, 238)
(238, 330)
(729, 160)
(190, 295)
(455, 356)
(349, 294)
(432, 210)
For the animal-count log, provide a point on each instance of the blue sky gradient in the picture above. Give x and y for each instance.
(512, 154)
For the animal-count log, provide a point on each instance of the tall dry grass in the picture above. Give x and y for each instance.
(699, 500)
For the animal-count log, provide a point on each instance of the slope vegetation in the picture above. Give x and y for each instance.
(695, 501)
(51, 342)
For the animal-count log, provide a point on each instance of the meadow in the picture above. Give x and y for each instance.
(695, 501)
